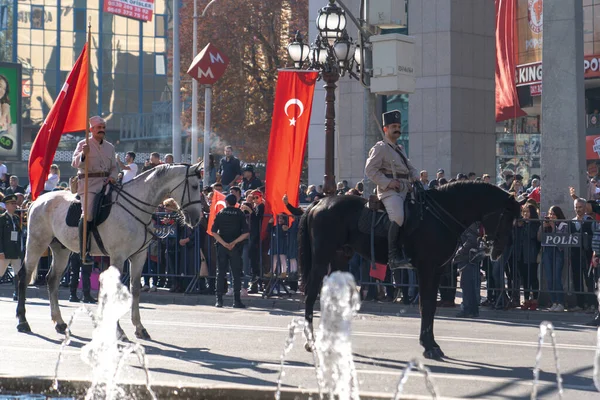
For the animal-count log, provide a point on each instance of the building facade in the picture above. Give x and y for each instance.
(128, 66)
(449, 121)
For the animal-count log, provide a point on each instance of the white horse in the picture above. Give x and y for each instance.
(125, 234)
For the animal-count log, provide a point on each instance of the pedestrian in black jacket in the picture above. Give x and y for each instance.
(11, 237)
(230, 230)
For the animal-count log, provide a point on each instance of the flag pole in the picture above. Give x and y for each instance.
(87, 142)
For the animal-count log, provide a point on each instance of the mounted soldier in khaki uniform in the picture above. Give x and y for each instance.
(391, 170)
(102, 168)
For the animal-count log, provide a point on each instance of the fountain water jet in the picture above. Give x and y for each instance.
(415, 364)
(545, 328)
(339, 304)
(106, 353)
(289, 344)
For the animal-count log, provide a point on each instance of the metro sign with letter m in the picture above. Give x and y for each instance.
(209, 65)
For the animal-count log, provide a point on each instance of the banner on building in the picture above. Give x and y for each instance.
(530, 20)
(10, 111)
(137, 9)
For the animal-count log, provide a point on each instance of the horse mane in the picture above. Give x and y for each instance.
(159, 171)
(469, 187)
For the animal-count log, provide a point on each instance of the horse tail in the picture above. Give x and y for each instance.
(304, 245)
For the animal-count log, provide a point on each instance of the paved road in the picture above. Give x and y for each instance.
(489, 358)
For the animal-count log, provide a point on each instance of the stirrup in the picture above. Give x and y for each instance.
(400, 262)
(86, 259)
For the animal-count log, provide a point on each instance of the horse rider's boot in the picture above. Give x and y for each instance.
(237, 301)
(87, 298)
(73, 297)
(85, 259)
(396, 257)
(219, 303)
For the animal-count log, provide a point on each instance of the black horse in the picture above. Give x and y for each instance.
(329, 234)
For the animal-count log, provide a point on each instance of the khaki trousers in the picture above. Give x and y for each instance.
(394, 205)
(94, 187)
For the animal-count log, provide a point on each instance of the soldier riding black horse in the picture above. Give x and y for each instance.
(330, 227)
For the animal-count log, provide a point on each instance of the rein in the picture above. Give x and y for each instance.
(132, 200)
(435, 208)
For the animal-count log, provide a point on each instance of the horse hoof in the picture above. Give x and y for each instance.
(143, 334)
(308, 347)
(434, 354)
(61, 328)
(23, 327)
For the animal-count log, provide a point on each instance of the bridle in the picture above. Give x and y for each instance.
(441, 214)
(186, 188)
(132, 200)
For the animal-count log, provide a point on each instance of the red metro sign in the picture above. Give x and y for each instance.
(209, 65)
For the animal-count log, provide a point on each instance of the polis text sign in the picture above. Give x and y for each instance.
(209, 65)
(558, 239)
(136, 9)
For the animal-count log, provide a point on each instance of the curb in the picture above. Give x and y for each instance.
(78, 388)
(296, 304)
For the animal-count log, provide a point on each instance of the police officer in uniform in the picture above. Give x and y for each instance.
(391, 170)
(230, 230)
(102, 168)
(11, 237)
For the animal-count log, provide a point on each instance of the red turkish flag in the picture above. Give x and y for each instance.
(507, 100)
(289, 131)
(68, 114)
(216, 205)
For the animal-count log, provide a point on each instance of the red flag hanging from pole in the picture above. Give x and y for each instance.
(507, 100)
(287, 143)
(68, 114)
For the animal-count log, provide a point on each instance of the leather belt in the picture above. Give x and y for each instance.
(398, 176)
(94, 175)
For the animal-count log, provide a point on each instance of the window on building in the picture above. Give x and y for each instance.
(79, 20)
(161, 68)
(37, 17)
(3, 18)
(161, 25)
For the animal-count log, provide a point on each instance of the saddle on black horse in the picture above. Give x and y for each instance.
(100, 211)
(374, 219)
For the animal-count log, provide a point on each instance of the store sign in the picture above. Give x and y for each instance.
(137, 9)
(591, 66)
(592, 147)
(209, 65)
(531, 74)
(535, 90)
(558, 239)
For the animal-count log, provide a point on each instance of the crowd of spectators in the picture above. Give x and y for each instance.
(528, 276)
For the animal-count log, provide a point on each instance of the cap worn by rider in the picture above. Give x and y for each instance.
(96, 120)
(392, 117)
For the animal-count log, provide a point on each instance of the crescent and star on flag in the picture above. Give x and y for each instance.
(290, 103)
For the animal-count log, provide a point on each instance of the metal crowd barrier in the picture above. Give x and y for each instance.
(550, 265)
(555, 264)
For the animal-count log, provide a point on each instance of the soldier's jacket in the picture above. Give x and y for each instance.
(384, 160)
(11, 248)
(101, 158)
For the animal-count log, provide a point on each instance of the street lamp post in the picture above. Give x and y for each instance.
(333, 54)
